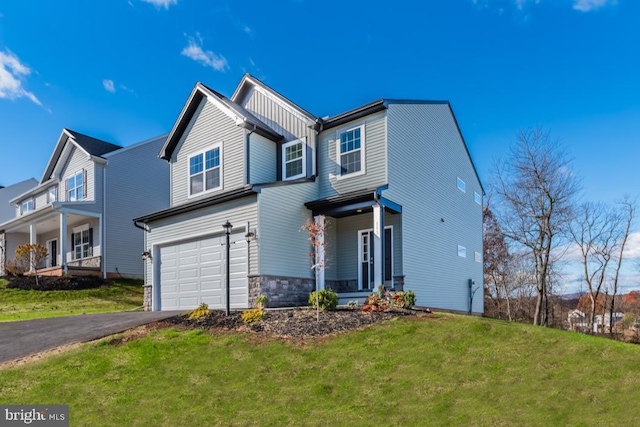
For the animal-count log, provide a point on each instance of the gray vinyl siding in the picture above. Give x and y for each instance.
(345, 254)
(7, 211)
(76, 162)
(331, 240)
(262, 160)
(13, 240)
(284, 246)
(209, 126)
(137, 183)
(426, 156)
(202, 222)
(286, 123)
(375, 158)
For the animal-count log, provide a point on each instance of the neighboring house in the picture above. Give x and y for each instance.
(578, 321)
(393, 178)
(601, 323)
(7, 211)
(81, 208)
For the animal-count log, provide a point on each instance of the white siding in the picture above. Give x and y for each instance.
(426, 155)
(262, 160)
(374, 162)
(208, 126)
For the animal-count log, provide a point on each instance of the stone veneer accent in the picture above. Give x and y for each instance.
(352, 285)
(281, 291)
(86, 262)
(146, 299)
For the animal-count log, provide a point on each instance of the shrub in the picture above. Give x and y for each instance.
(14, 268)
(353, 304)
(326, 299)
(65, 283)
(382, 301)
(262, 301)
(197, 313)
(375, 303)
(409, 299)
(253, 315)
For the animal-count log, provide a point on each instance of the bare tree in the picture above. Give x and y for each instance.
(31, 256)
(535, 191)
(496, 264)
(627, 210)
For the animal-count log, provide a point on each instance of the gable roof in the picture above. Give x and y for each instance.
(248, 82)
(92, 147)
(238, 114)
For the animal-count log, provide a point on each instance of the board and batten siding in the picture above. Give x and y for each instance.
(426, 156)
(208, 126)
(284, 245)
(375, 158)
(204, 222)
(137, 183)
(262, 159)
(282, 120)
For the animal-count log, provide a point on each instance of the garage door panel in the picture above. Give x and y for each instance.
(193, 272)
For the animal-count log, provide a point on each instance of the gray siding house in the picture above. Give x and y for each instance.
(393, 180)
(81, 208)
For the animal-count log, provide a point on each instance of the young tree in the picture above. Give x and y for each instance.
(496, 263)
(31, 255)
(535, 191)
(318, 254)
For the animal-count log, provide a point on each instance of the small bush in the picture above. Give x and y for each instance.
(262, 301)
(197, 313)
(14, 268)
(65, 283)
(326, 299)
(409, 299)
(353, 304)
(375, 303)
(253, 315)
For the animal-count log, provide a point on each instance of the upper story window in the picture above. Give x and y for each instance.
(477, 197)
(350, 149)
(293, 162)
(76, 187)
(205, 171)
(462, 251)
(52, 194)
(27, 206)
(462, 186)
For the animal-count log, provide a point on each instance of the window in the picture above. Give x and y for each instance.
(82, 243)
(293, 162)
(462, 251)
(477, 197)
(205, 171)
(76, 187)
(52, 194)
(462, 186)
(350, 149)
(27, 206)
(478, 257)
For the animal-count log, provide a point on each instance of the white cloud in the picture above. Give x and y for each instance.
(12, 75)
(161, 3)
(589, 5)
(206, 58)
(247, 29)
(108, 85)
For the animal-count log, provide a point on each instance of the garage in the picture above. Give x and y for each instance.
(192, 272)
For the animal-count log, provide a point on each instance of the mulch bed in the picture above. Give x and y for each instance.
(293, 323)
(49, 283)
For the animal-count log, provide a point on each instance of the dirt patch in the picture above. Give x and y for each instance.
(292, 323)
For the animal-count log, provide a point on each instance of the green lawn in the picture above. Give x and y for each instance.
(16, 304)
(447, 370)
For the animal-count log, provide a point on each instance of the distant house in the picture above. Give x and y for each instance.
(394, 178)
(578, 321)
(81, 208)
(602, 323)
(8, 211)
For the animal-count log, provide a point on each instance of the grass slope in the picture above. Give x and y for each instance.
(448, 370)
(16, 304)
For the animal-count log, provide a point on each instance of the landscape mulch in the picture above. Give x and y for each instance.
(53, 283)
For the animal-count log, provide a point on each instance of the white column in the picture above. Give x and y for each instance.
(378, 245)
(33, 239)
(320, 251)
(63, 242)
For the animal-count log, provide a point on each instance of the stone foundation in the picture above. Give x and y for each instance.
(398, 283)
(146, 301)
(93, 262)
(281, 291)
(340, 286)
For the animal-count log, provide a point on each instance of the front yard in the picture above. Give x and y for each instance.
(117, 295)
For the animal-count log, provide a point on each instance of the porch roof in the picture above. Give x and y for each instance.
(347, 204)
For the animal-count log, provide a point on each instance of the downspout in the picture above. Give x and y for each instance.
(103, 237)
(248, 151)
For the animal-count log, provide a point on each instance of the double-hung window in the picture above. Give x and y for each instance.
(81, 241)
(27, 205)
(350, 148)
(293, 162)
(76, 187)
(205, 171)
(52, 194)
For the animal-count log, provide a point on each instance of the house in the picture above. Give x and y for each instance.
(602, 322)
(81, 208)
(578, 321)
(393, 179)
(7, 211)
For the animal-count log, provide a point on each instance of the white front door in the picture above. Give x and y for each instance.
(366, 261)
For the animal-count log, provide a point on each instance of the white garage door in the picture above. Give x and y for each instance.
(193, 272)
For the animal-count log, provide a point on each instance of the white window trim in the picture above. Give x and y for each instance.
(462, 186)
(477, 197)
(462, 251)
(83, 186)
(80, 229)
(362, 170)
(25, 201)
(360, 254)
(49, 201)
(304, 159)
(204, 159)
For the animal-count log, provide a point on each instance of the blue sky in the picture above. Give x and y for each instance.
(121, 70)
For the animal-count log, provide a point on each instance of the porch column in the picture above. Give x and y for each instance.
(33, 239)
(320, 250)
(378, 245)
(63, 242)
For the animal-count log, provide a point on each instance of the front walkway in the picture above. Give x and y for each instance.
(27, 337)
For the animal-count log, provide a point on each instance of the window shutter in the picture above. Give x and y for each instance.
(73, 247)
(66, 189)
(91, 242)
(84, 183)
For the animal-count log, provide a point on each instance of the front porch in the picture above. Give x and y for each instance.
(83, 267)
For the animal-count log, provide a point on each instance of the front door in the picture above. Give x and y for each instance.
(52, 248)
(366, 279)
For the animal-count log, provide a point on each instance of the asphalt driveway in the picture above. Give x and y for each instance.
(27, 337)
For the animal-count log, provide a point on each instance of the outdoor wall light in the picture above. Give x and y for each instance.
(251, 235)
(146, 255)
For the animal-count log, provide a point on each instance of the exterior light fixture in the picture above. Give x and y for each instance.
(146, 255)
(250, 236)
